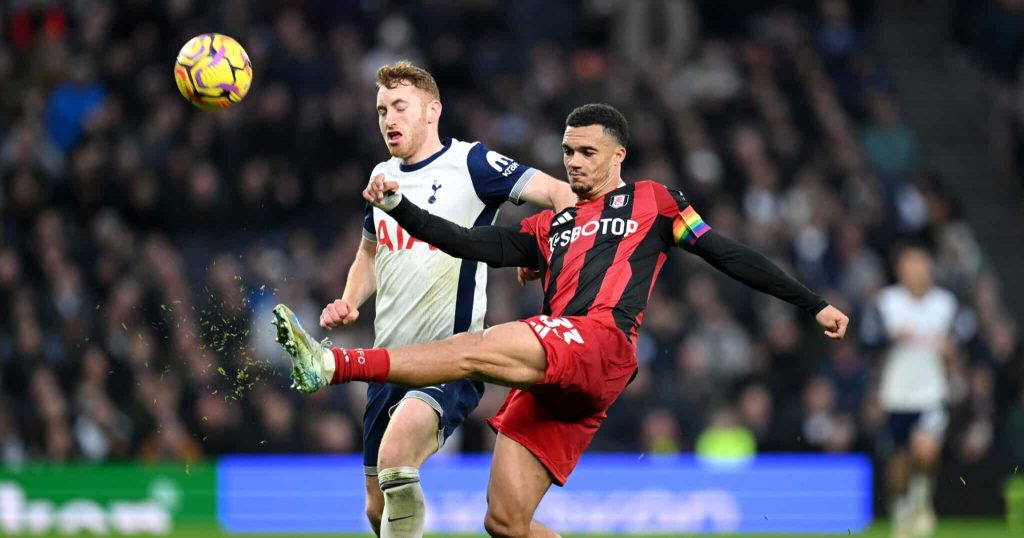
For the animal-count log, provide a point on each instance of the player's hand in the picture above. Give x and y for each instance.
(833, 321)
(381, 193)
(337, 314)
(526, 274)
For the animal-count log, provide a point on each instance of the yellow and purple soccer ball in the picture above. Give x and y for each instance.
(213, 71)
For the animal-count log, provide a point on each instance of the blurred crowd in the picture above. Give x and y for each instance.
(143, 243)
(990, 36)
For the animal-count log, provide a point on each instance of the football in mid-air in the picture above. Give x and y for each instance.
(213, 71)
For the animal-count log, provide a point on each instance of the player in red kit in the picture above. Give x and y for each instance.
(598, 262)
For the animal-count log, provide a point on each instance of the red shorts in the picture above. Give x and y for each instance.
(589, 364)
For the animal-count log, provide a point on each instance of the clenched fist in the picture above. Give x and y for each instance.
(833, 321)
(382, 193)
(338, 313)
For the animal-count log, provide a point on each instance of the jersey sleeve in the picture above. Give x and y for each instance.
(539, 226)
(534, 224)
(369, 230)
(497, 178)
(687, 224)
(735, 259)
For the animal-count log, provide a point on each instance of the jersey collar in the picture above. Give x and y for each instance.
(416, 166)
(582, 203)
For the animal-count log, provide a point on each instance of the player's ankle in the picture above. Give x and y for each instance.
(329, 365)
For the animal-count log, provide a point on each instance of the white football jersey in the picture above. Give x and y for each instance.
(424, 294)
(914, 374)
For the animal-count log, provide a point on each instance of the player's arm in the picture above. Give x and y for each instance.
(548, 192)
(498, 246)
(754, 269)
(743, 263)
(498, 179)
(360, 284)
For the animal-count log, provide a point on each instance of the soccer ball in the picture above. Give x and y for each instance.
(213, 71)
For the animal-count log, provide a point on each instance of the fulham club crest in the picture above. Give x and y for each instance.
(619, 200)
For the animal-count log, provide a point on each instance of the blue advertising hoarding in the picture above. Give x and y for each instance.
(606, 493)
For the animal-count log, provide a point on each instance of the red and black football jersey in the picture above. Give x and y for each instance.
(601, 257)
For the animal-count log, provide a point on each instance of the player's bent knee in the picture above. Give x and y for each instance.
(411, 437)
(923, 449)
(504, 525)
(410, 455)
(926, 455)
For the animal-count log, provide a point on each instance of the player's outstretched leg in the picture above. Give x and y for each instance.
(508, 354)
(308, 370)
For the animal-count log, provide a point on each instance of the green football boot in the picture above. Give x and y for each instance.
(306, 352)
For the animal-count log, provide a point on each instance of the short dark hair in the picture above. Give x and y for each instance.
(907, 244)
(606, 116)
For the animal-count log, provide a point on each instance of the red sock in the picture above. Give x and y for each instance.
(360, 364)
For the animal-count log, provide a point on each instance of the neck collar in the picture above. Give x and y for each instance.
(416, 166)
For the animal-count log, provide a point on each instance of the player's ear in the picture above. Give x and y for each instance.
(434, 111)
(620, 154)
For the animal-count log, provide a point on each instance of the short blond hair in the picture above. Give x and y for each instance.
(390, 76)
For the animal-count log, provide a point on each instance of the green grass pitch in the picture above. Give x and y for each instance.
(948, 528)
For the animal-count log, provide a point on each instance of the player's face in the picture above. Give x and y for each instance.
(592, 158)
(404, 114)
(914, 270)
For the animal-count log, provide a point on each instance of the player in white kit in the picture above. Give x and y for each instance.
(915, 322)
(422, 293)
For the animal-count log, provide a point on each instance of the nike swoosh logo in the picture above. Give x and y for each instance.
(390, 519)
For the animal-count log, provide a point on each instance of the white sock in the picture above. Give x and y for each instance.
(329, 366)
(920, 491)
(404, 506)
(901, 512)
